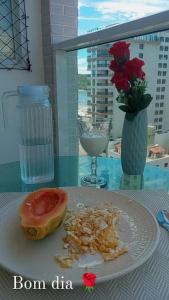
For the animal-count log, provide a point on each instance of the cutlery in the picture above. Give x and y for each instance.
(163, 218)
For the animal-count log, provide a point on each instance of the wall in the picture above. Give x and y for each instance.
(59, 23)
(162, 139)
(9, 80)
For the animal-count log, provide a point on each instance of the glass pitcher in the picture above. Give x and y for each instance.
(36, 132)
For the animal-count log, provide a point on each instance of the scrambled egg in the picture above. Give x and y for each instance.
(91, 230)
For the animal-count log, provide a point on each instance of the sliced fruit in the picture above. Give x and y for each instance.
(42, 212)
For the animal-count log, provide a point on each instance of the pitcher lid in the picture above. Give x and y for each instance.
(33, 90)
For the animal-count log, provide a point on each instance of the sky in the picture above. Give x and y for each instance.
(101, 13)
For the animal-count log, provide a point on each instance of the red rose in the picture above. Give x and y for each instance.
(114, 66)
(89, 279)
(121, 81)
(133, 69)
(120, 51)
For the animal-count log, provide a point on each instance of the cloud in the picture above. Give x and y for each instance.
(133, 9)
(82, 66)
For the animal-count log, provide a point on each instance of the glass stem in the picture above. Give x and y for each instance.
(93, 168)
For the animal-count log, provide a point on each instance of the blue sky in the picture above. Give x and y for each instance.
(101, 13)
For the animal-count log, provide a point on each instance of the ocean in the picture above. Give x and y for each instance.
(82, 99)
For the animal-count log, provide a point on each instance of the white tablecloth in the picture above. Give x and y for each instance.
(148, 282)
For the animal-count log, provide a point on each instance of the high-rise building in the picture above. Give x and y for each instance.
(154, 50)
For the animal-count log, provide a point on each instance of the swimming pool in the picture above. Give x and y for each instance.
(154, 177)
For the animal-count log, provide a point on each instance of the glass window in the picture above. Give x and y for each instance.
(167, 39)
(158, 89)
(161, 39)
(155, 120)
(160, 127)
(158, 81)
(160, 119)
(156, 112)
(140, 55)
(163, 81)
(157, 105)
(160, 112)
(160, 65)
(166, 48)
(161, 104)
(165, 56)
(164, 65)
(157, 97)
(162, 96)
(14, 52)
(159, 73)
(161, 48)
(141, 46)
(164, 73)
(160, 56)
(163, 89)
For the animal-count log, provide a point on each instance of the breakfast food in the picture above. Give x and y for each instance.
(91, 230)
(42, 212)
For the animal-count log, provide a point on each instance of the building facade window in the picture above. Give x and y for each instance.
(14, 53)
(141, 46)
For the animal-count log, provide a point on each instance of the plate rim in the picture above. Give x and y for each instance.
(143, 259)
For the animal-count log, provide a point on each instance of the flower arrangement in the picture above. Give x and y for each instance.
(129, 80)
(89, 281)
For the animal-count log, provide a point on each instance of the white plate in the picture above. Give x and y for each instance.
(35, 259)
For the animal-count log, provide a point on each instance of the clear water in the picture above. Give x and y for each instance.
(36, 163)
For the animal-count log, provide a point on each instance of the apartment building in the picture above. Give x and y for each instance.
(154, 50)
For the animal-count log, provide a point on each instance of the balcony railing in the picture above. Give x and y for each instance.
(66, 67)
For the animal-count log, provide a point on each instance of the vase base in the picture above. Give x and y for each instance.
(132, 182)
(99, 182)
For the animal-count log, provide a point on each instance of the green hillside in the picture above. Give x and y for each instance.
(83, 81)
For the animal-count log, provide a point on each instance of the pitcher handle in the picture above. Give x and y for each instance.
(5, 95)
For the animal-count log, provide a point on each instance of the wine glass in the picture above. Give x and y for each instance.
(94, 138)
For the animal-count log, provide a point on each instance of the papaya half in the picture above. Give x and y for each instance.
(42, 211)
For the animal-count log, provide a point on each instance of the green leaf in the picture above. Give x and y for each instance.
(124, 108)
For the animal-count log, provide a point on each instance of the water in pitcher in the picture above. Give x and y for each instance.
(36, 162)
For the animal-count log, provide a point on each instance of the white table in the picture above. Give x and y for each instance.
(148, 282)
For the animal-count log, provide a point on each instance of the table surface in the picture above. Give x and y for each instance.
(148, 282)
(69, 170)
